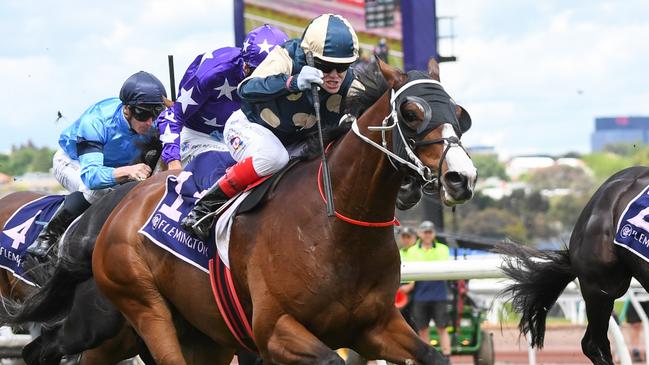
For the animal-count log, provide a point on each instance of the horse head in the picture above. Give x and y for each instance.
(426, 131)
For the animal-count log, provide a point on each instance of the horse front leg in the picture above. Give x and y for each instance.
(395, 341)
(288, 342)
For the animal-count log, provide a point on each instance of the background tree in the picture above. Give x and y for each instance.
(26, 158)
(605, 164)
(561, 177)
(488, 165)
(495, 223)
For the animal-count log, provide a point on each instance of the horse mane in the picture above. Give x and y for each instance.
(368, 86)
(151, 149)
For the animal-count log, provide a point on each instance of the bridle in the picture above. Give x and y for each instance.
(431, 181)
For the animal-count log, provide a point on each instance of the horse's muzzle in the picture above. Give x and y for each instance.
(458, 187)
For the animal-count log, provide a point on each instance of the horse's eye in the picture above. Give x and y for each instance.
(412, 114)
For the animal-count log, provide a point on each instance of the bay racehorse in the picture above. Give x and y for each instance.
(604, 269)
(308, 282)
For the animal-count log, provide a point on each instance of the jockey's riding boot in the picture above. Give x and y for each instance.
(207, 204)
(41, 246)
(236, 178)
(72, 207)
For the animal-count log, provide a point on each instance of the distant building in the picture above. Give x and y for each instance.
(572, 162)
(482, 150)
(496, 188)
(520, 165)
(614, 130)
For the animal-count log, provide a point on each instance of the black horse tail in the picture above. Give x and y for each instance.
(51, 302)
(540, 277)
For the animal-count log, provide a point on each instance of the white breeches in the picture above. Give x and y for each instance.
(193, 143)
(245, 139)
(68, 173)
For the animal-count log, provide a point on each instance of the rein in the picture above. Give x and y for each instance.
(413, 162)
(393, 222)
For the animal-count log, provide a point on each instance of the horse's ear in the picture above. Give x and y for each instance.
(463, 118)
(433, 69)
(395, 77)
(167, 102)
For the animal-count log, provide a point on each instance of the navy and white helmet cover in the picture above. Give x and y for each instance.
(331, 38)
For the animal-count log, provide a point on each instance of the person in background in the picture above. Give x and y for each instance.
(430, 298)
(97, 151)
(381, 50)
(208, 96)
(633, 319)
(407, 240)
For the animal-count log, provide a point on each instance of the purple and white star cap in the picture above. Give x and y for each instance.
(259, 42)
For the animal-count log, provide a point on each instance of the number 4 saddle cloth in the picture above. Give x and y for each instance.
(633, 226)
(20, 231)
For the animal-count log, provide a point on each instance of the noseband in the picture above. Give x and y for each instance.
(410, 161)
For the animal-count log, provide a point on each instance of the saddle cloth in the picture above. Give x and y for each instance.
(181, 194)
(22, 229)
(633, 226)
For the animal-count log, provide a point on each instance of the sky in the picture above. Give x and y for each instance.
(532, 74)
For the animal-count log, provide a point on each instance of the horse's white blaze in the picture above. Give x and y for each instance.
(458, 160)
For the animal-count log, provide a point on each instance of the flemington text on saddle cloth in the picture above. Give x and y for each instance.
(181, 193)
(633, 227)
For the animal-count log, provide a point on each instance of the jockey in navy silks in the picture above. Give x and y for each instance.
(277, 108)
(208, 96)
(97, 151)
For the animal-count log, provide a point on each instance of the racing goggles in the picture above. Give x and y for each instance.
(144, 112)
(327, 67)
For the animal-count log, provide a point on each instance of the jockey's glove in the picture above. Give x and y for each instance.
(307, 76)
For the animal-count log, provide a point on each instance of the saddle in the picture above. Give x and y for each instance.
(260, 190)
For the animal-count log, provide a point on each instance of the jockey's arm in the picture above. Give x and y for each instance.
(93, 172)
(91, 137)
(271, 79)
(170, 128)
(172, 121)
(97, 176)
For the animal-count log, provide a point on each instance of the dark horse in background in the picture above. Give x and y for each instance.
(603, 268)
(90, 324)
(309, 283)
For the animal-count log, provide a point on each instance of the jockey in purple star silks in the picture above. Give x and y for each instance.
(277, 108)
(97, 151)
(208, 96)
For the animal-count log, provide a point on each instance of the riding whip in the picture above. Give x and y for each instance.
(331, 211)
(172, 79)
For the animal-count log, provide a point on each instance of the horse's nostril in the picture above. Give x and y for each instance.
(455, 178)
